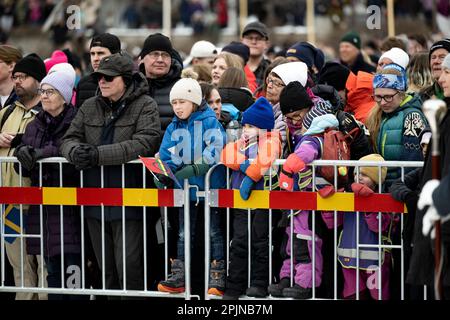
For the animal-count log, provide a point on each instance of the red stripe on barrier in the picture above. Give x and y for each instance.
(98, 196)
(293, 200)
(378, 203)
(165, 198)
(21, 195)
(226, 199)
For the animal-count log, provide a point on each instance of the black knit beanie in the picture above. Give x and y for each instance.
(31, 65)
(156, 42)
(294, 97)
(334, 74)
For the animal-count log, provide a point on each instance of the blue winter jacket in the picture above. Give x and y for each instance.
(189, 141)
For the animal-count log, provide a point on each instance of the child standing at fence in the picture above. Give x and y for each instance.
(191, 145)
(306, 124)
(369, 178)
(260, 143)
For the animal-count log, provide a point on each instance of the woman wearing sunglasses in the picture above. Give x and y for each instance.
(396, 122)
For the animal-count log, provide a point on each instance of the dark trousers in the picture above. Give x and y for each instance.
(237, 277)
(114, 252)
(72, 275)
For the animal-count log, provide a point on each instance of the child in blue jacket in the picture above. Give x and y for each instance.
(191, 146)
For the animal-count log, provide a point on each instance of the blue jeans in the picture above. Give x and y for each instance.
(72, 275)
(215, 233)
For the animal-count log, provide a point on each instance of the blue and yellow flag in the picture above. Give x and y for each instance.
(11, 217)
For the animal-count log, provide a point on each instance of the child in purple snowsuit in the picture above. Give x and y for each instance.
(305, 130)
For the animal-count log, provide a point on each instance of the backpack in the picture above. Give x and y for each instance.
(335, 147)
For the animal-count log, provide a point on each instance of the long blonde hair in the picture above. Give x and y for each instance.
(373, 122)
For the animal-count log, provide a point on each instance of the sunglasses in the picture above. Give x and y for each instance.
(106, 77)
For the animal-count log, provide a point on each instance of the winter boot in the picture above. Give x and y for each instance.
(175, 280)
(276, 290)
(256, 292)
(217, 278)
(297, 292)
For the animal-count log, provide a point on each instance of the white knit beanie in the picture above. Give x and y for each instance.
(446, 62)
(66, 68)
(62, 82)
(187, 89)
(292, 71)
(398, 56)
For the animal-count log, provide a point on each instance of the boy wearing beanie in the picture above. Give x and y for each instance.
(369, 181)
(306, 141)
(260, 143)
(190, 147)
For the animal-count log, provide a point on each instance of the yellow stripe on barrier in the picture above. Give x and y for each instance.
(338, 201)
(259, 199)
(59, 196)
(140, 197)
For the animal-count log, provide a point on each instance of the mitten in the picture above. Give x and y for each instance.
(294, 164)
(286, 180)
(361, 190)
(246, 188)
(244, 165)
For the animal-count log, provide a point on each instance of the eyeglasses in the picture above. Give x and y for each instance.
(156, 54)
(20, 77)
(256, 38)
(106, 77)
(277, 84)
(47, 92)
(387, 98)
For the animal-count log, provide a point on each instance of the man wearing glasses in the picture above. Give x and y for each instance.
(162, 65)
(27, 74)
(256, 37)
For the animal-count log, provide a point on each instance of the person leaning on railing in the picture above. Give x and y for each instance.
(42, 139)
(110, 129)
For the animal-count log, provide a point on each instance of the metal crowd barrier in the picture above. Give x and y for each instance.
(143, 197)
(339, 202)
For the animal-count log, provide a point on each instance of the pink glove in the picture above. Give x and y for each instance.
(361, 190)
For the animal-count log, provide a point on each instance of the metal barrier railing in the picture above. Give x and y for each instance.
(102, 197)
(283, 199)
(144, 197)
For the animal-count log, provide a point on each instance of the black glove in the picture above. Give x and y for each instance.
(28, 156)
(163, 181)
(348, 125)
(85, 157)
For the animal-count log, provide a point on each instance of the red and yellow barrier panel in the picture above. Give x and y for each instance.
(139, 197)
(341, 201)
(92, 196)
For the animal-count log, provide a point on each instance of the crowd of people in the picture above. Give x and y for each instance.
(236, 107)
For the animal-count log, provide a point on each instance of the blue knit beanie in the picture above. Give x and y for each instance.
(259, 114)
(308, 54)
